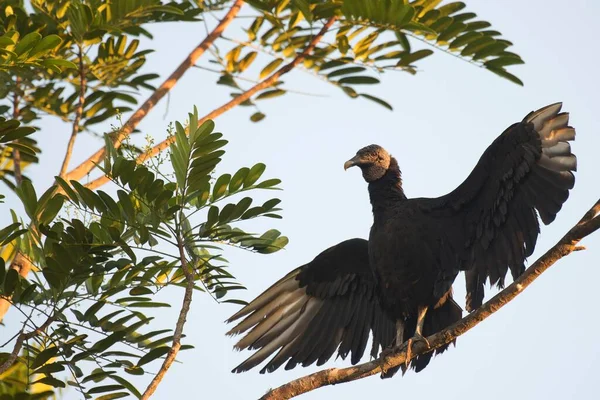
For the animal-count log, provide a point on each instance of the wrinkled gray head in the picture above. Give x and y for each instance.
(373, 160)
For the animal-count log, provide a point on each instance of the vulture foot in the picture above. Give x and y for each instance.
(409, 343)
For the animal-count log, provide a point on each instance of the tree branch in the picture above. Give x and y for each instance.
(270, 81)
(19, 343)
(565, 246)
(84, 168)
(185, 308)
(78, 114)
(16, 154)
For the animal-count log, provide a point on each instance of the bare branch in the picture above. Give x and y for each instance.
(88, 165)
(78, 114)
(185, 308)
(565, 246)
(270, 81)
(19, 343)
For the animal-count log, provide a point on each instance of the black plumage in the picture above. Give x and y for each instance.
(398, 284)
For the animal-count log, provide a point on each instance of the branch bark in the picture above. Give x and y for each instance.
(270, 81)
(185, 308)
(88, 165)
(565, 246)
(78, 114)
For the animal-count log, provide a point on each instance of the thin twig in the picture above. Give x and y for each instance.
(565, 246)
(16, 154)
(88, 165)
(19, 343)
(78, 114)
(185, 308)
(268, 82)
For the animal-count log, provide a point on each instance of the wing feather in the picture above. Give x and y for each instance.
(527, 171)
(327, 305)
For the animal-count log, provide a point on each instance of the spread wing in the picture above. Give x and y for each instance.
(528, 167)
(326, 305)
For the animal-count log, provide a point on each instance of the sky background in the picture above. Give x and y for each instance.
(541, 345)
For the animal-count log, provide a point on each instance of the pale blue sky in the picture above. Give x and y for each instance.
(542, 345)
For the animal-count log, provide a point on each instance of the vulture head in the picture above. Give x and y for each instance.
(373, 160)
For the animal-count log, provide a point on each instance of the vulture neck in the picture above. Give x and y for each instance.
(387, 191)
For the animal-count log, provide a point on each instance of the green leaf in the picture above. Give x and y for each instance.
(104, 388)
(304, 7)
(26, 193)
(345, 71)
(104, 344)
(254, 174)
(50, 368)
(10, 281)
(27, 43)
(43, 356)
(67, 189)
(45, 45)
(17, 133)
(410, 58)
(507, 75)
(48, 380)
(153, 355)
(269, 94)
(126, 383)
(268, 183)
(112, 396)
(140, 291)
(7, 231)
(377, 100)
(257, 116)
(58, 65)
(13, 236)
(358, 80)
(220, 187)
(269, 68)
(236, 181)
(52, 209)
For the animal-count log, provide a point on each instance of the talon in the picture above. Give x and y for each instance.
(409, 343)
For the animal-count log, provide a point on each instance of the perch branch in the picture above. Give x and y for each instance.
(270, 81)
(88, 165)
(565, 246)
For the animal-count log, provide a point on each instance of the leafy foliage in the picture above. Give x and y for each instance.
(13, 137)
(371, 37)
(103, 273)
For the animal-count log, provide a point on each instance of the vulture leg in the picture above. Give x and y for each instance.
(399, 333)
(393, 349)
(422, 311)
(420, 321)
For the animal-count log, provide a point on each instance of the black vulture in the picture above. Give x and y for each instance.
(398, 284)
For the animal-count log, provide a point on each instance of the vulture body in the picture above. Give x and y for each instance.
(398, 284)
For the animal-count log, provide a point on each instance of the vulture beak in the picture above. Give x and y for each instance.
(352, 162)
